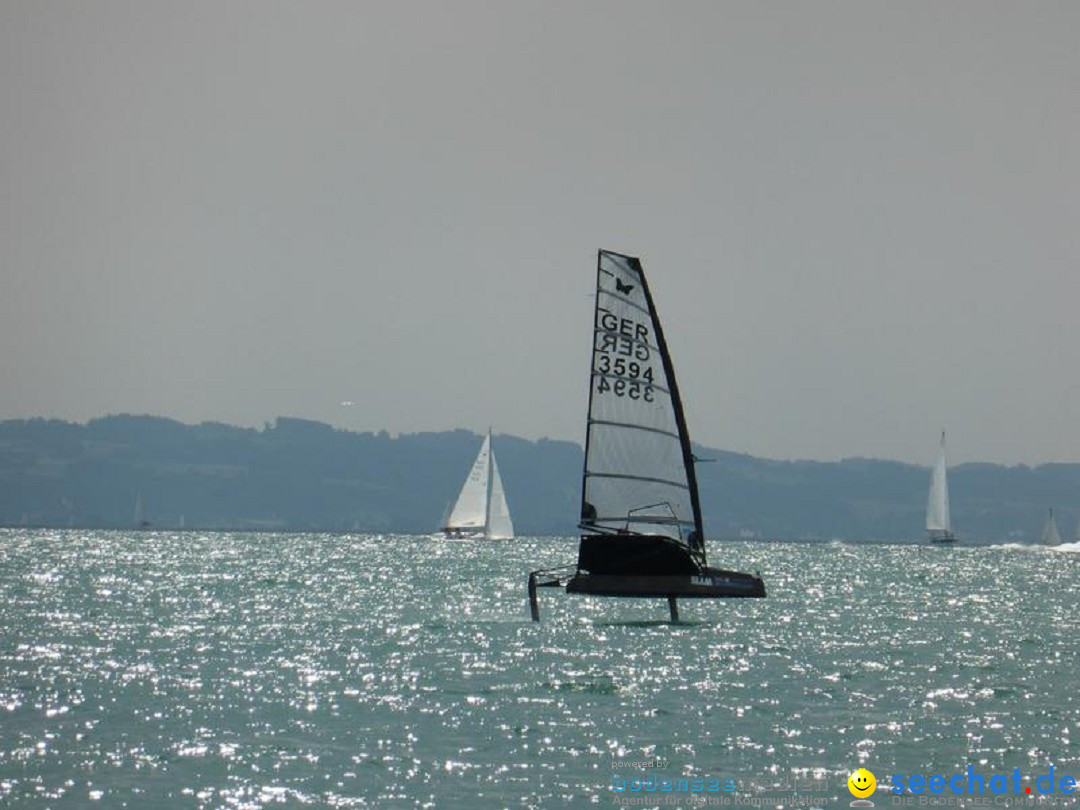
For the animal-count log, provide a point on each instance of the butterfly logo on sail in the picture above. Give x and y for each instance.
(625, 289)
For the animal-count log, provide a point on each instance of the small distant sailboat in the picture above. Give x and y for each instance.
(938, 524)
(1050, 535)
(138, 518)
(640, 514)
(480, 511)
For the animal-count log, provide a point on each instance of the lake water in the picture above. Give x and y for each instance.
(256, 670)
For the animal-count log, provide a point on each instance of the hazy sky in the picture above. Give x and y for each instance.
(859, 220)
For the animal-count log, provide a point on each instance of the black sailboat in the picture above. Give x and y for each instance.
(640, 513)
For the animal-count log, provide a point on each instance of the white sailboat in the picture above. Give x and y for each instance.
(138, 517)
(480, 511)
(938, 523)
(1050, 534)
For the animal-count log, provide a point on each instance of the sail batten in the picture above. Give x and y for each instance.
(643, 519)
(627, 477)
(644, 310)
(629, 426)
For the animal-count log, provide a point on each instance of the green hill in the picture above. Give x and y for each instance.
(298, 475)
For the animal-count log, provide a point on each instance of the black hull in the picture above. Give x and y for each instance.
(712, 584)
(650, 565)
(942, 539)
(631, 555)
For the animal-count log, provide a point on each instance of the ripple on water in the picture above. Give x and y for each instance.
(247, 670)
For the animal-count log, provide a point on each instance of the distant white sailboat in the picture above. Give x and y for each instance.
(480, 511)
(1050, 534)
(138, 518)
(938, 523)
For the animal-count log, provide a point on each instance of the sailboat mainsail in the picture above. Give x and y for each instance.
(481, 509)
(938, 525)
(1050, 534)
(640, 513)
(639, 478)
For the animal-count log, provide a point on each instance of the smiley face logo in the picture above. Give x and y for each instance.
(861, 783)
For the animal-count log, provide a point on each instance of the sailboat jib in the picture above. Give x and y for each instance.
(499, 524)
(640, 514)
(938, 521)
(481, 510)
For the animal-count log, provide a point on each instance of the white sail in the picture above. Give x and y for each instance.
(481, 509)
(1050, 535)
(937, 505)
(470, 509)
(499, 525)
(640, 518)
(637, 476)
